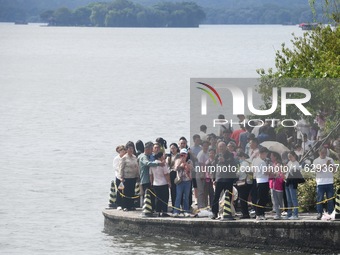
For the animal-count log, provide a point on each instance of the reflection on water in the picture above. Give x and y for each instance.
(135, 244)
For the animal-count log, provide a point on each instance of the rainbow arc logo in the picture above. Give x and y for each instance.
(211, 91)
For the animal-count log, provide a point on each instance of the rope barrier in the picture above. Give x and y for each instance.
(208, 207)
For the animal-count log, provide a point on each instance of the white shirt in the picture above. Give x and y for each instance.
(158, 173)
(202, 157)
(115, 164)
(324, 175)
(260, 170)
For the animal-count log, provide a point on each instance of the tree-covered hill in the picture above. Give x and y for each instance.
(217, 11)
(124, 13)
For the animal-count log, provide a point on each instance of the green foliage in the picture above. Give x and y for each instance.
(307, 193)
(313, 62)
(124, 13)
(218, 11)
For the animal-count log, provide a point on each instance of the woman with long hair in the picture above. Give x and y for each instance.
(170, 160)
(291, 186)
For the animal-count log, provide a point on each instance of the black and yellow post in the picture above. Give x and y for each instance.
(337, 205)
(137, 201)
(227, 215)
(147, 207)
(113, 196)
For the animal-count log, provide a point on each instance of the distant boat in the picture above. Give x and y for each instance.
(20, 22)
(308, 26)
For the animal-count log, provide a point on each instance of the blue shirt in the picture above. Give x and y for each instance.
(144, 168)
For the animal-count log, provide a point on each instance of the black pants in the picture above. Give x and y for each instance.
(119, 200)
(221, 187)
(129, 191)
(152, 197)
(162, 192)
(262, 198)
(243, 193)
(173, 187)
(253, 193)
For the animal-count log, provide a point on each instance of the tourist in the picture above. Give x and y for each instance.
(274, 163)
(162, 143)
(160, 179)
(128, 170)
(212, 139)
(244, 183)
(231, 146)
(276, 184)
(243, 139)
(144, 168)
(291, 186)
(155, 149)
(253, 153)
(208, 175)
(183, 144)
(236, 134)
(203, 133)
(116, 161)
(226, 137)
(223, 180)
(139, 148)
(196, 148)
(261, 174)
(325, 168)
(170, 160)
(202, 185)
(184, 167)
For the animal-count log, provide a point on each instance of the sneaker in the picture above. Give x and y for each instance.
(319, 216)
(187, 215)
(119, 208)
(214, 217)
(252, 211)
(277, 217)
(293, 217)
(284, 213)
(165, 215)
(261, 217)
(175, 215)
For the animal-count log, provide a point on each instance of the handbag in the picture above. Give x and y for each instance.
(178, 179)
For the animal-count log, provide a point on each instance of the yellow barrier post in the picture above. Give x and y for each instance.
(147, 207)
(113, 196)
(227, 215)
(337, 205)
(137, 201)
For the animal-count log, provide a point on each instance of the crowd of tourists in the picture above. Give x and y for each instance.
(198, 175)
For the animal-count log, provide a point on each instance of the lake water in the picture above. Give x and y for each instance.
(69, 96)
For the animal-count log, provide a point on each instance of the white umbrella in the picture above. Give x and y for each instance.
(275, 147)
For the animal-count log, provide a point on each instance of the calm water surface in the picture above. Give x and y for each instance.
(68, 96)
